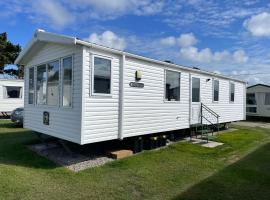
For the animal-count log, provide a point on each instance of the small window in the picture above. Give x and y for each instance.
(216, 90)
(172, 90)
(251, 109)
(195, 89)
(102, 76)
(267, 99)
(232, 92)
(67, 82)
(53, 83)
(31, 86)
(12, 92)
(251, 100)
(41, 84)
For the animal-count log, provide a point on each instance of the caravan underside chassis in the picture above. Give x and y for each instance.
(153, 141)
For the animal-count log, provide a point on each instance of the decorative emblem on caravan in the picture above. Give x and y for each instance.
(46, 118)
(134, 84)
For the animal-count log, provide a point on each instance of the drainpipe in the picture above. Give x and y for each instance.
(121, 98)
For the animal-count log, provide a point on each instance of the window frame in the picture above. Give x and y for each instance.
(165, 79)
(213, 90)
(59, 104)
(59, 83)
(62, 79)
(230, 92)
(265, 99)
(28, 76)
(36, 99)
(94, 94)
(195, 102)
(248, 93)
(5, 91)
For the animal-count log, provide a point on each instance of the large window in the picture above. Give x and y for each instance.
(53, 83)
(12, 92)
(67, 81)
(267, 99)
(195, 89)
(251, 100)
(41, 84)
(46, 90)
(172, 90)
(232, 92)
(216, 90)
(31, 96)
(102, 76)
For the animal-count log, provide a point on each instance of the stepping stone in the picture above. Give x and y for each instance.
(120, 154)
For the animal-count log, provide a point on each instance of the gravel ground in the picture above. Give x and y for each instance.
(253, 124)
(74, 161)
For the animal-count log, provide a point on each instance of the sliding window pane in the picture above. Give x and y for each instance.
(41, 84)
(172, 86)
(102, 75)
(67, 82)
(216, 90)
(53, 83)
(31, 86)
(195, 89)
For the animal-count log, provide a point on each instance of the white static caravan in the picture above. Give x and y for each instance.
(11, 94)
(258, 100)
(107, 94)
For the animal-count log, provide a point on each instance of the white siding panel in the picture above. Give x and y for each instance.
(100, 112)
(65, 123)
(145, 110)
(228, 111)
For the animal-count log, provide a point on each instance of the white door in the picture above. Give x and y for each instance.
(195, 98)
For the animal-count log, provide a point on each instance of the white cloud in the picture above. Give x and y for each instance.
(60, 14)
(52, 13)
(258, 25)
(108, 38)
(111, 9)
(240, 56)
(184, 40)
(168, 41)
(206, 55)
(187, 40)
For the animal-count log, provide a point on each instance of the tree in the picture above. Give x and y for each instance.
(8, 54)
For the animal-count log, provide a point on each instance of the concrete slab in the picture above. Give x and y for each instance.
(204, 143)
(253, 124)
(212, 144)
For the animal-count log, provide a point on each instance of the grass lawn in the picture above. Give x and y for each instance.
(240, 169)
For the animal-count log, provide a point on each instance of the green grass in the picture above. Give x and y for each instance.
(240, 169)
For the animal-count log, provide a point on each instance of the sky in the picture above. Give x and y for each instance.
(231, 37)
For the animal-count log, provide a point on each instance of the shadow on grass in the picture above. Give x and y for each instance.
(248, 178)
(9, 124)
(14, 151)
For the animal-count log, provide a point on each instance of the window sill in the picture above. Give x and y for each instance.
(166, 101)
(100, 95)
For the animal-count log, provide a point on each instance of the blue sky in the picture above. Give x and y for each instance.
(228, 37)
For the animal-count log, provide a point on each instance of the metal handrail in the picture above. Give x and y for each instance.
(209, 121)
(208, 109)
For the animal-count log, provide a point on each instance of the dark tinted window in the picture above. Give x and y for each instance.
(216, 90)
(13, 92)
(31, 89)
(172, 86)
(232, 92)
(251, 99)
(195, 89)
(102, 75)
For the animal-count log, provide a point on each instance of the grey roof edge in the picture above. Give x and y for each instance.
(41, 35)
(259, 84)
